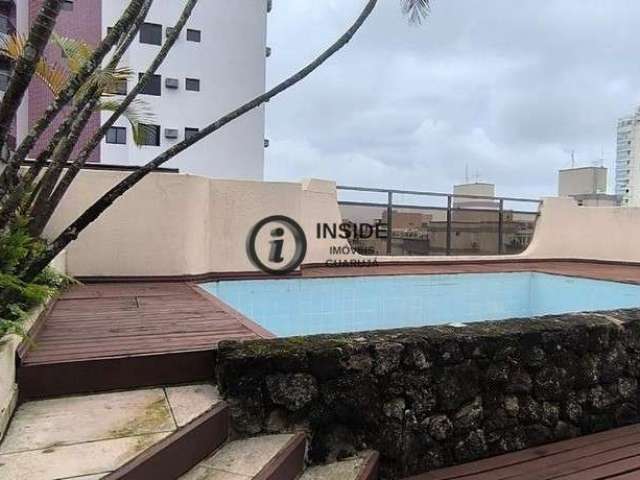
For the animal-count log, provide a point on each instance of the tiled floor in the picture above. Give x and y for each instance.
(239, 460)
(89, 436)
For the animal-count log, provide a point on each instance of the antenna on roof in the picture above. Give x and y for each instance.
(572, 155)
(466, 173)
(602, 159)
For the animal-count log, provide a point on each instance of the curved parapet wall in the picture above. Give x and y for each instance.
(565, 230)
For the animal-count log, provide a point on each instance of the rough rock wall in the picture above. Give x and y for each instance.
(436, 396)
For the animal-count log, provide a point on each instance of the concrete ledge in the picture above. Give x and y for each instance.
(8, 388)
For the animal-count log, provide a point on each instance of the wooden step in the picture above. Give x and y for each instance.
(613, 454)
(180, 451)
(43, 380)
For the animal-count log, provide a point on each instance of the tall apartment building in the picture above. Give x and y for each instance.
(217, 64)
(628, 160)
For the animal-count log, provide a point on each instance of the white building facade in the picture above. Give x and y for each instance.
(628, 160)
(217, 64)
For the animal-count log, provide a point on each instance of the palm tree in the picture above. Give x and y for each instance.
(26, 65)
(75, 54)
(9, 177)
(416, 10)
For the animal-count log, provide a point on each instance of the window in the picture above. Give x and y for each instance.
(151, 33)
(117, 135)
(119, 87)
(67, 5)
(194, 35)
(193, 84)
(150, 135)
(153, 86)
(190, 132)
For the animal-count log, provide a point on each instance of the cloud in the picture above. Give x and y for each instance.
(505, 88)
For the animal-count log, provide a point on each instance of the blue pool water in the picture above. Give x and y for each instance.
(311, 306)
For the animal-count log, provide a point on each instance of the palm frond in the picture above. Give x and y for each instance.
(12, 46)
(416, 10)
(75, 52)
(107, 79)
(138, 114)
(52, 75)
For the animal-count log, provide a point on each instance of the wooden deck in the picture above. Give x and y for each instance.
(105, 336)
(119, 335)
(614, 455)
(596, 270)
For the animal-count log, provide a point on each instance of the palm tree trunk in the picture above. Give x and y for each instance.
(40, 211)
(26, 65)
(80, 117)
(131, 13)
(79, 162)
(15, 199)
(106, 200)
(63, 130)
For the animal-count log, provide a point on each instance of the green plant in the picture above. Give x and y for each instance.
(16, 295)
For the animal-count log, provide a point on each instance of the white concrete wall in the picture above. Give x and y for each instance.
(565, 230)
(177, 224)
(8, 386)
(230, 63)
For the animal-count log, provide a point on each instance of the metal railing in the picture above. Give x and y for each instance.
(458, 218)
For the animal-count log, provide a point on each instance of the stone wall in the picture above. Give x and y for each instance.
(436, 396)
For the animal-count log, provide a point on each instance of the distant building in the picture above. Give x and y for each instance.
(475, 189)
(409, 224)
(217, 63)
(597, 200)
(587, 185)
(581, 181)
(628, 160)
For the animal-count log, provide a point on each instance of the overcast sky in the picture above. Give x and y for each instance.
(507, 87)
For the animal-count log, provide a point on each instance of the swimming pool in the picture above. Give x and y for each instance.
(334, 305)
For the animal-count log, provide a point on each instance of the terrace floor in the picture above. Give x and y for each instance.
(103, 336)
(596, 270)
(107, 336)
(614, 455)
